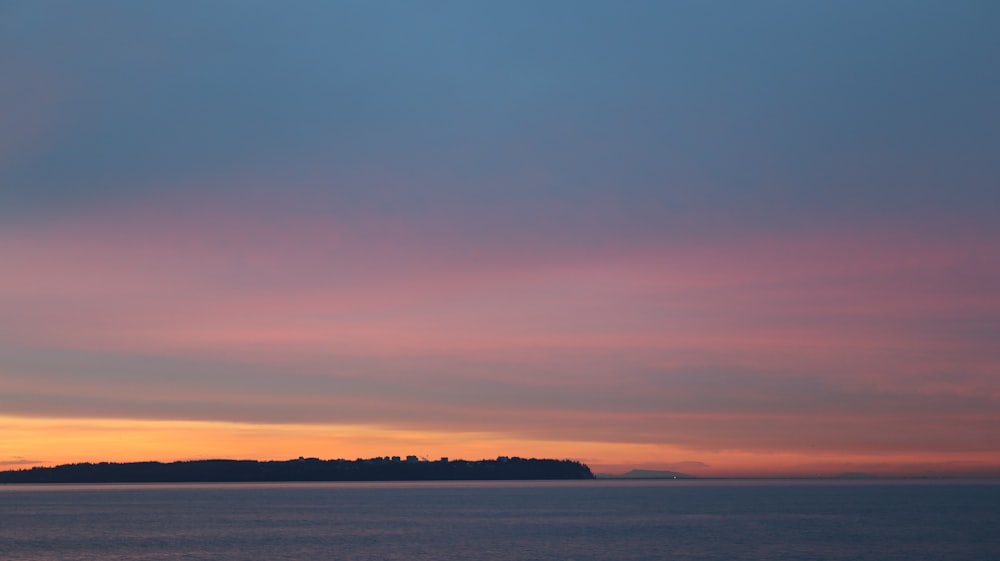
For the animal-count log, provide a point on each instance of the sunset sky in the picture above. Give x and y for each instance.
(722, 238)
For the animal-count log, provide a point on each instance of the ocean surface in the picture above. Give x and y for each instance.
(727, 520)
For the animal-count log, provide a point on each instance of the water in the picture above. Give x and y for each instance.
(579, 520)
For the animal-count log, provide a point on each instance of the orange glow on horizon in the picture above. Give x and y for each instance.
(29, 442)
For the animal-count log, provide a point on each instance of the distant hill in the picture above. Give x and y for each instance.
(856, 475)
(646, 474)
(303, 469)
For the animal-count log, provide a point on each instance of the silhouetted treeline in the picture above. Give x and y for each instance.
(303, 469)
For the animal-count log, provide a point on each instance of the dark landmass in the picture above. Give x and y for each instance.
(646, 474)
(303, 469)
(856, 475)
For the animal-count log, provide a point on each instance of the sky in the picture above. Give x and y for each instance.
(722, 238)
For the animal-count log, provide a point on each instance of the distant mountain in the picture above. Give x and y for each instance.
(303, 469)
(646, 474)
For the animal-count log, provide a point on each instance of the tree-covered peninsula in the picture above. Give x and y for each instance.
(303, 469)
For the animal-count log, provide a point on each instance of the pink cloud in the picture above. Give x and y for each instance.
(209, 279)
(689, 343)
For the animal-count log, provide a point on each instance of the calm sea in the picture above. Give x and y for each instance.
(579, 520)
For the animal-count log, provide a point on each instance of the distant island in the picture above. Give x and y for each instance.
(303, 469)
(646, 474)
